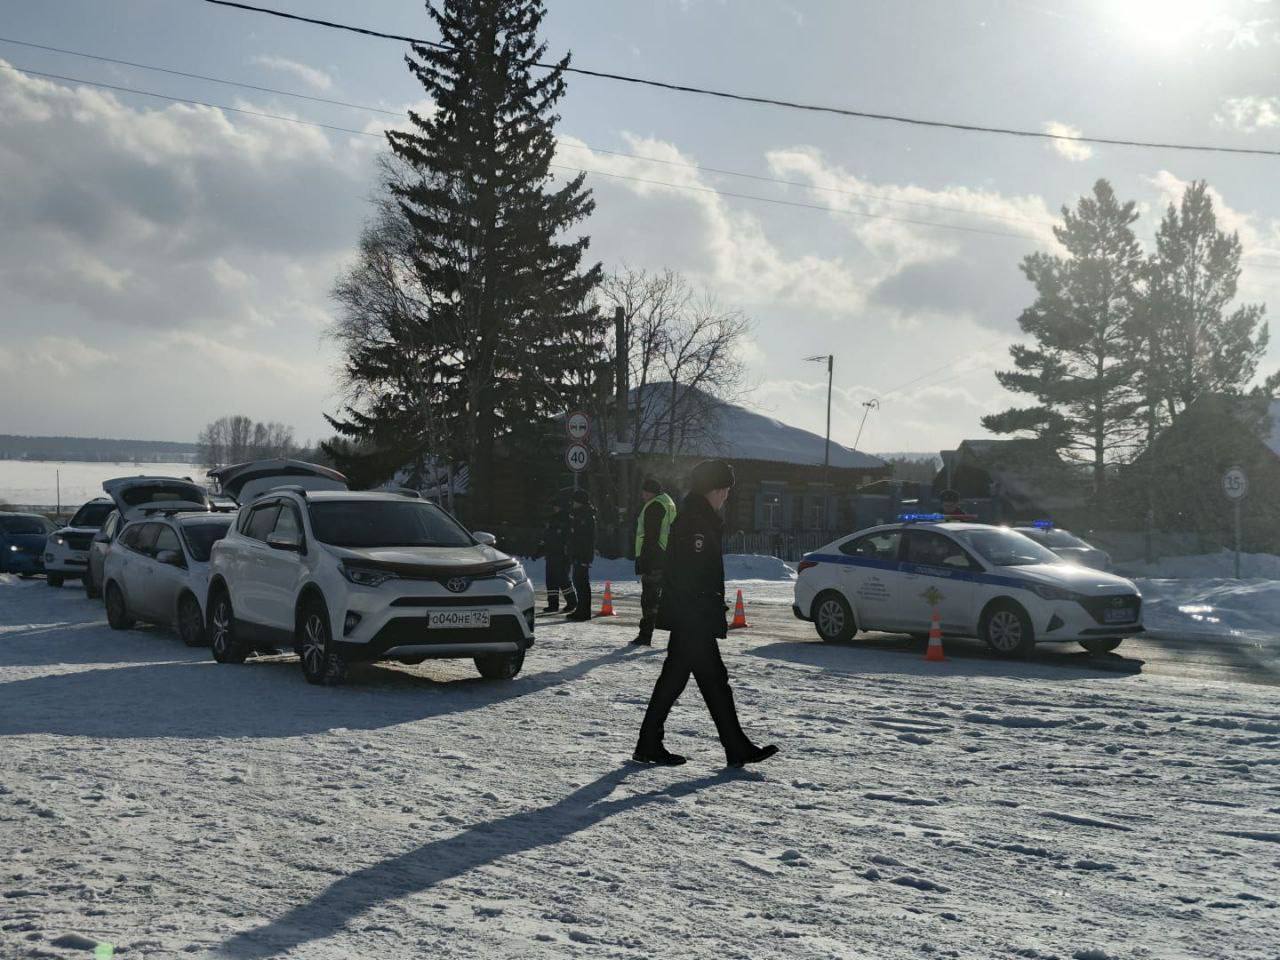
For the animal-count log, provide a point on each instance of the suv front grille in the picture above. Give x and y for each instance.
(1098, 607)
(78, 541)
(479, 600)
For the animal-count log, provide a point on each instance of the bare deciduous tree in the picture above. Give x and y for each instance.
(237, 438)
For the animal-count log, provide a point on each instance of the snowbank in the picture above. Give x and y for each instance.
(1217, 608)
(738, 568)
(1206, 566)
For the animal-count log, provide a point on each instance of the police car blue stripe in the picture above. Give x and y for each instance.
(923, 570)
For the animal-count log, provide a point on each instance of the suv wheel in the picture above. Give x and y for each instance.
(54, 579)
(321, 662)
(1007, 630)
(117, 610)
(833, 618)
(500, 666)
(190, 621)
(222, 631)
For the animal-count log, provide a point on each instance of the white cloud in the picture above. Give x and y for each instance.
(1249, 114)
(1071, 150)
(316, 79)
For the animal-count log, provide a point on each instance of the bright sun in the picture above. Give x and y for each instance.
(1167, 24)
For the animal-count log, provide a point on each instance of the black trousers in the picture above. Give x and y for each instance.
(696, 655)
(582, 588)
(650, 594)
(557, 580)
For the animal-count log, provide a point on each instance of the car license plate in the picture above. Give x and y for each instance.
(458, 619)
(1118, 616)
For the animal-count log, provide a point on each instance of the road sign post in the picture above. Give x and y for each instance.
(1235, 484)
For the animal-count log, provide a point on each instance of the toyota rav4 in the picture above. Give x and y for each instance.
(340, 577)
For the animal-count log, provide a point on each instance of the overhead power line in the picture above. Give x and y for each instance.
(774, 102)
(599, 173)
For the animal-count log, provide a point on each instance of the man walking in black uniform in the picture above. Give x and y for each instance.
(582, 550)
(555, 547)
(693, 609)
(653, 530)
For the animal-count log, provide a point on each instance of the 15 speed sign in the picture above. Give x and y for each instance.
(576, 457)
(1235, 483)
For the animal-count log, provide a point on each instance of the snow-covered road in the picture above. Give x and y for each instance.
(172, 807)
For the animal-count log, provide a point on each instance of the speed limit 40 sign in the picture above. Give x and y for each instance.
(1235, 483)
(576, 457)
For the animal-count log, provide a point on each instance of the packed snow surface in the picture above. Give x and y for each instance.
(154, 800)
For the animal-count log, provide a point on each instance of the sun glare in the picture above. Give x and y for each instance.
(1164, 24)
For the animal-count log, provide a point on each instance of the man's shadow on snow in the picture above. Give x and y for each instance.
(433, 863)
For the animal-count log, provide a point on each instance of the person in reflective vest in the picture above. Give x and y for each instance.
(653, 527)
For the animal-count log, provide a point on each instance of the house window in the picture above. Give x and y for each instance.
(771, 511)
(818, 514)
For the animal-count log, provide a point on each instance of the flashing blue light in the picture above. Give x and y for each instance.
(921, 518)
(1042, 524)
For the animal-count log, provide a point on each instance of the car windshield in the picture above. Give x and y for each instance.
(20, 526)
(385, 523)
(202, 536)
(1008, 548)
(1060, 538)
(92, 514)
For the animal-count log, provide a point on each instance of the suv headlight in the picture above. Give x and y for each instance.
(1046, 592)
(366, 576)
(59, 539)
(515, 575)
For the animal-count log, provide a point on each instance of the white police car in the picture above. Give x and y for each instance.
(988, 582)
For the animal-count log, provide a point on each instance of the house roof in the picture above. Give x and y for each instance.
(735, 433)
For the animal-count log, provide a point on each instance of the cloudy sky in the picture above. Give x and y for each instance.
(162, 264)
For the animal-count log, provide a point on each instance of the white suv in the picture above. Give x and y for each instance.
(66, 553)
(340, 577)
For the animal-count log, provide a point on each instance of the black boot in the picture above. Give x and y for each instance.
(660, 756)
(553, 604)
(644, 640)
(754, 755)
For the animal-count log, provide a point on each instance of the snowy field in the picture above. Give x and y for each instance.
(973, 809)
(35, 482)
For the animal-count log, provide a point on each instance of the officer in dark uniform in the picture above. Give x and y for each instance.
(693, 609)
(582, 550)
(555, 547)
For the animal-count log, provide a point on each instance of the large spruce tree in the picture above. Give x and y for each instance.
(1192, 343)
(503, 296)
(1080, 370)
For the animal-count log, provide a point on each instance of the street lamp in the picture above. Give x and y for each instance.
(830, 360)
(868, 406)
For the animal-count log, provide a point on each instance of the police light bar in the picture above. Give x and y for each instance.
(921, 517)
(1042, 524)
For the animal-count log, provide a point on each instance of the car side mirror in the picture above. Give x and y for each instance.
(485, 539)
(171, 558)
(284, 543)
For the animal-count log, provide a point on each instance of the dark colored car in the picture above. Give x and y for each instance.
(22, 540)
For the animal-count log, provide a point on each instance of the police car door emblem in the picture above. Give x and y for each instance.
(457, 585)
(699, 541)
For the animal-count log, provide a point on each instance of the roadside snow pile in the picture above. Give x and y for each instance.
(1206, 566)
(1247, 609)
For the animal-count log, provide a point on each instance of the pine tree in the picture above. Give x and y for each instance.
(504, 299)
(1081, 368)
(1191, 345)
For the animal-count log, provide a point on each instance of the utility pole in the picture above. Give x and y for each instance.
(622, 417)
(868, 406)
(826, 453)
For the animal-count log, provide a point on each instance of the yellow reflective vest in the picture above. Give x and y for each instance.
(668, 516)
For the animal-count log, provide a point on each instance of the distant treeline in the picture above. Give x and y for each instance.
(95, 449)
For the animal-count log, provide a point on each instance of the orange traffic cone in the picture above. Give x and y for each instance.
(935, 638)
(739, 615)
(606, 606)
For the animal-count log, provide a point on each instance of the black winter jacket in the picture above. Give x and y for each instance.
(693, 578)
(555, 537)
(582, 534)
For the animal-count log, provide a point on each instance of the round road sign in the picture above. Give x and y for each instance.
(1235, 484)
(576, 457)
(578, 425)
